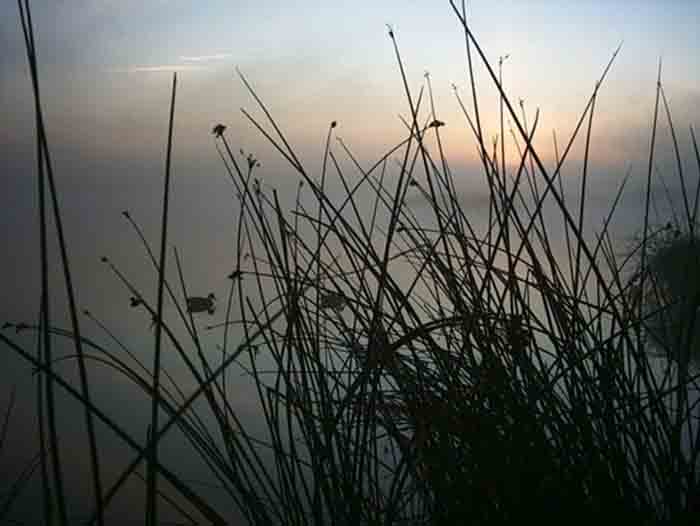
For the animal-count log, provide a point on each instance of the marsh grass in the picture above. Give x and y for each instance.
(410, 365)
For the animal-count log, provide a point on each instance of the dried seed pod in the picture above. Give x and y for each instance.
(218, 130)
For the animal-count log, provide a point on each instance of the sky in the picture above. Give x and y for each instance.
(106, 67)
(106, 71)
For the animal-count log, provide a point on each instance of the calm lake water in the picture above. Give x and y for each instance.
(202, 227)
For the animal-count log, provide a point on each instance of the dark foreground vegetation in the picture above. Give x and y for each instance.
(411, 366)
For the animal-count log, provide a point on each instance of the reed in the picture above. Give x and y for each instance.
(411, 365)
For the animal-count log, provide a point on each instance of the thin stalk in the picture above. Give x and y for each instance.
(6, 420)
(72, 304)
(645, 230)
(151, 486)
(697, 188)
(679, 164)
(582, 194)
(45, 484)
(567, 234)
(25, 16)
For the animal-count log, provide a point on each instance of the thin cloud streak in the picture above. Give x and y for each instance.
(206, 58)
(161, 68)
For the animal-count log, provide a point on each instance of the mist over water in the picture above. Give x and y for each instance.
(204, 215)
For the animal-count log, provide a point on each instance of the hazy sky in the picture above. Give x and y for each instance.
(106, 67)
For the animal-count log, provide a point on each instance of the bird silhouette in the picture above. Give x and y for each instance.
(197, 304)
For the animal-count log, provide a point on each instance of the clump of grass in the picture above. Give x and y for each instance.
(414, 368)
(670, 295)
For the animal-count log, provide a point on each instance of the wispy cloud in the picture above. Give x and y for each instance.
(206, 58)
(185, 63)
(160, 68)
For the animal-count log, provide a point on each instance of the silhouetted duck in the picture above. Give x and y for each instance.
(197, 304)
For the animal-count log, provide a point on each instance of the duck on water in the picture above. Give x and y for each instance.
(197, 304)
